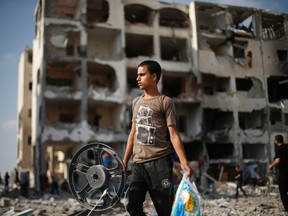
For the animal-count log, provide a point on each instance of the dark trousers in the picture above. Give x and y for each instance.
(156, 178)
(239, 186)
(283, 187)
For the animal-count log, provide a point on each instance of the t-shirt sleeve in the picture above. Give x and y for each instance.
(133, 107)
(169, 109)
(277, 153)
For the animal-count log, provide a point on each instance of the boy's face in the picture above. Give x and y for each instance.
(145, 80)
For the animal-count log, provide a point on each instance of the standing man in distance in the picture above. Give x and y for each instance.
(153, 127)
(281, 160)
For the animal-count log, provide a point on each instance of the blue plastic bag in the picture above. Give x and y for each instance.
(188, 201)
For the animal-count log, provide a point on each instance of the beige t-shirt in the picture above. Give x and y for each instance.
(152, 116)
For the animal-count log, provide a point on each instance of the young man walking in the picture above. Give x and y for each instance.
(152, 131)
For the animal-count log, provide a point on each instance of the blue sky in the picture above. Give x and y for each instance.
(17, 30)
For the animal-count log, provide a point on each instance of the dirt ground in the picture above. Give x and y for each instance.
(217, 202)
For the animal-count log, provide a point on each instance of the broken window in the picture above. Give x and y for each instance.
(174, 85)
(68, 41)
(171, 17)
(139, 45)
(30, 86)
(217, 120)
(136, 13)
(277, 88)
(275, 116)
(65, 112)
(173, 49)
(243, 84)
(272, 26)
(253, 151)
(68, 8)
(101, 78)
(104, 43)
(251, 120)
(283, 60)
(212, 84)
(30, 57)
(97, 11)
(62, 74)
(217, 45)
(282, 55)
(220, 150)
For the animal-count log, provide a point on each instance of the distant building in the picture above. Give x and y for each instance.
(224, 66)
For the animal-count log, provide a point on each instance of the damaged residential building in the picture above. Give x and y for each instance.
(225, 67)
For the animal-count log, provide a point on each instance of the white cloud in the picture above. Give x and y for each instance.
(9, 124)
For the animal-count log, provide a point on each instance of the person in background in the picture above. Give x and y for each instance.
(239, 181)
(54, 183)
(6, 182)
(152, 131)
(16, 178)
(107, 159)
(281, 161)
(1, 182)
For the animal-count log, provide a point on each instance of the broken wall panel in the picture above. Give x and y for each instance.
(62, 75)
(101, 77)
(251, 120)
(104, 44)
(65, 112)
(272, 26)
(102, 117)
(211, 84)
(63, 41)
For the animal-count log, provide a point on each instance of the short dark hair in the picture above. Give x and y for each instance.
(279, 138)
(153, 67)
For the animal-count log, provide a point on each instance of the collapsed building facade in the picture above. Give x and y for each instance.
(224, 66)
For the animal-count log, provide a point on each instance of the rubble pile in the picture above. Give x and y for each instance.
(220, 201)
(264, 200)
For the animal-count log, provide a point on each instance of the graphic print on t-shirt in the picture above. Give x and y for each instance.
(145, 132)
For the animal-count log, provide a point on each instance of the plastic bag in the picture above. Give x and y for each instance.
(188, 201)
